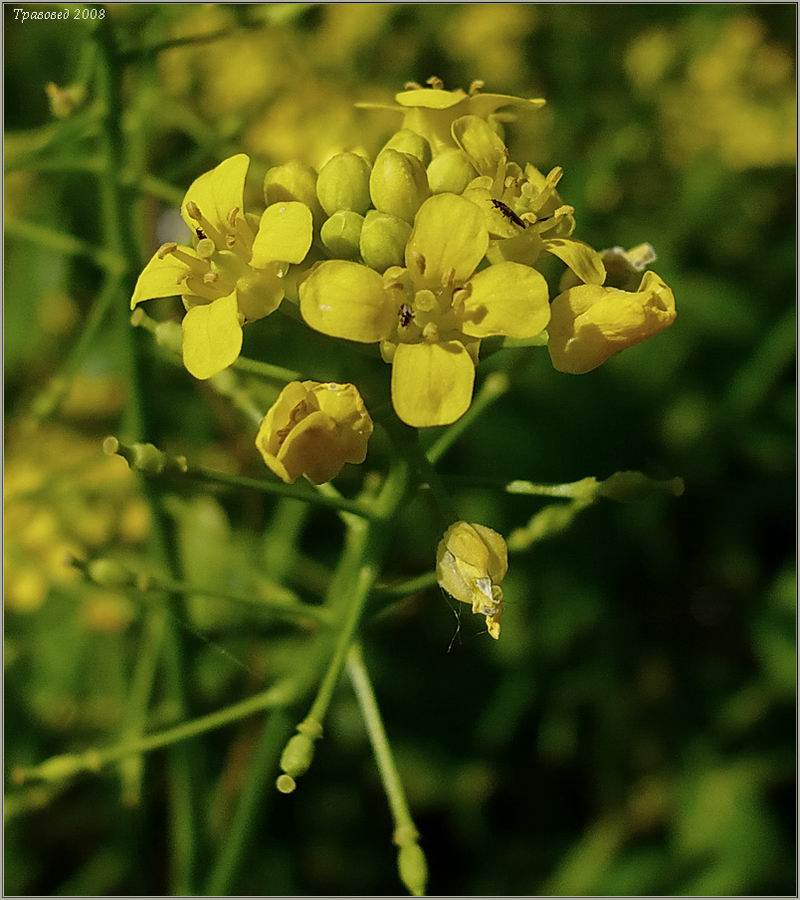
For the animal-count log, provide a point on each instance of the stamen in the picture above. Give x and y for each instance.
(449, 279)
(193, 211)
(431, 332)
(210, 278)
(435, 82)
(165, 249)
(405, 315)
(233, 215)
(475, 86)
(412, 86)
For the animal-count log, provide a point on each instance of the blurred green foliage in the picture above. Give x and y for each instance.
(633, 731)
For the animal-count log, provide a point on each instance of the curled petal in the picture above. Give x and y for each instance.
(284, 234)
(428, 98)
(432, 382)
(212, 337)
(507, 299)
(584, 260)
(484, 105)
(347, 300)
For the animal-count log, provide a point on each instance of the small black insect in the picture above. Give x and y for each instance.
(406, 315)
(508, 213)
(201, 235)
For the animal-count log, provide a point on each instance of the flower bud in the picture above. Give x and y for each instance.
(313, 429)
(407, 141)
(590, 323)
(383, 240)
(297, 756)
(341, 234)
(108, 573)
(450, 172)
(398, 184)
(471, 563)
(413, 868)
(293, 181)
(343, 183)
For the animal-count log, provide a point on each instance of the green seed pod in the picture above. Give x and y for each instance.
(398, 184)
(413, 868)
(297, 755)
(626, 487)
(108, 573)
(341, 234)
(293, 181)
(450, 172)
(343, 183)
(383, 240)
(408, 141)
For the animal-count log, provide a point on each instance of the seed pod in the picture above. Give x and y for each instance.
(398, 184)
(341, 234)
(383, 240)
(343, 183)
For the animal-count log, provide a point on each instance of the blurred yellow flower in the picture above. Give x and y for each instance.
(590, 323)
(234, 272)
(471, 563)
(313, 429)
(430, 316)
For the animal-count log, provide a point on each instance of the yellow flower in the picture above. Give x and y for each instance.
(523, 211)
(233, 274)
(430, 111)
(430, 316)
(471, 563)
(591, 323)
(313, 429)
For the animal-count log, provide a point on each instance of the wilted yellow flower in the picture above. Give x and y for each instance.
(430, 111)
(590, 323)
(234, 272)
(471, 563)
(313, 429)
(430, 316)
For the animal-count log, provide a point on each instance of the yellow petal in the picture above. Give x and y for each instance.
(584, 260)
(284, 234)
(449, 236)
(212, 337)
(259, 291)
(507, 299)
(432, 383)
(428, 98)
(219, 191)
(481, 144)
(312, 449)
(347, 300)
(161, 277)
(484, 105)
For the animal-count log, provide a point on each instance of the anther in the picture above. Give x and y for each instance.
(165, 249)
(435, 82)
(233, 216)
(419, 261)
(210, 278)
(193, 211)
(449, 278)
(431, 332)
(475, 86)
(412, 86)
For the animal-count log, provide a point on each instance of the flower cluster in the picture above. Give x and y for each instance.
(426, 250)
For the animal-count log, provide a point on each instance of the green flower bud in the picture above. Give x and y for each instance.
(413, 869)
(628, 486)
(293, 181)
(343, 183)
(407, 141)
(108, 573)
(297, 755)
(450, 172)
(398, 184)
(341, 234)
(383, 240)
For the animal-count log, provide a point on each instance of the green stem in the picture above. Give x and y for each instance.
(569, 490)
(266, 370)
(61, 242)
(405, 832)
(252, 800)
(495, 385)
(400, 589)
(68, 765)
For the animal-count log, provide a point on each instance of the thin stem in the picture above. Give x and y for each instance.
(492, 389)
(400, 589)
(252, 800)
(61, 242)
(58, 768)
(568, 490)
(405, 831)
(266, 370)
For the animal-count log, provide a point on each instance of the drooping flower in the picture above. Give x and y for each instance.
(471, 563)
(430, 111)
(233, 273)
(590, 323)
(313, 429)
(430, 316)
